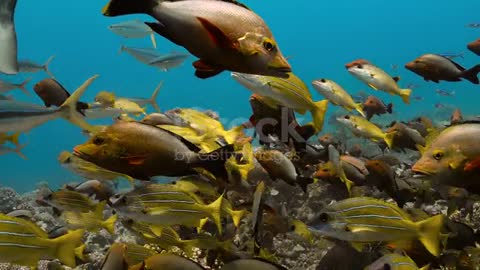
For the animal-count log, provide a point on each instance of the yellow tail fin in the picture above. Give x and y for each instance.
(429, 231)
(69, 107)
(109, 224)
(389, 137)
(14, 138)
(66, 247)
(215, 210)
(405, 94)
(232, 134)
(318, 114)
(237, 216)
(79, 252)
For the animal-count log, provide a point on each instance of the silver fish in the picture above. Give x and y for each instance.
(6, 86)
(144, 55)
(169, 61)
(20, 116)
(133, 29)
(8, 38)
(28, 66)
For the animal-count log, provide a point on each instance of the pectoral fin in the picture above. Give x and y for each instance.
(217, 35)
(204, 71)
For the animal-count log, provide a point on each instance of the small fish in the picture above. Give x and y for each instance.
(88, 169)
(277, 165)
(91, 221)
(474, 46)
(393, 261)
(327, 139)
(366, 220)
(19, 117)
(363, 128)
(31, 67)
(100, 190)
(24, 243)
(257, 264)
(8, 37)
(167, 261)
(374, 106)
(291, 93)
(68, 200)
(405, 136)
(156, 119)
(439, 105)
(242, 163)
(337, 95)
(337, 167)
(143, 55)
(473, 25)
(133, 29)
(53, 93)
(129, 107)
(6, 86)
(434, 67)
(451, 55)
(413, 86)
(152, 100)
(418, 98)
(165, 205)
(105, 99)
(234, 39)
(378, 79)
(456, 117)
(169, 61)
(445, 93)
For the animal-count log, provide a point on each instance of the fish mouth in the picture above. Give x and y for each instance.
(78, 153)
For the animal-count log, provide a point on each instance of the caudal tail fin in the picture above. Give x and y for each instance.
(46, 65)
(405, 95)
(215, 211)
(69, 107)
(67, 245)
(472, 74)
(14, 138)
(389, 137)
(430, 235)
(126, 7)
(109, 224)
(153, 98)
(23, 86)
(390, 108)
(318, 114)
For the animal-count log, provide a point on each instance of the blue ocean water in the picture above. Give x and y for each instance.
(319, 36)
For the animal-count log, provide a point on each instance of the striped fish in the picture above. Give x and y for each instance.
(165, 205)
(68, 200)
(393, 261)
(367, 220)
(24, 243)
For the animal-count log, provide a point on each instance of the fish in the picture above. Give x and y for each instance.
(24, 243)
(133, 29)
(291, 93)
(257, 264)
(452, 55)
(150, 101)
(156, 119)
(168, 261)
(337, 95)
(234, 39)
(12, 138)
(68, 200)
(365, 220)
(89, 170)
(446, 154)
(20, 117)
(53, 93)
(277, 165)
(456, 118)
(27, 66)
(7, 86)
(474, 47)
(394, 261)
(8, 38)
(100, 190)
(167, 206)
(115, 258)
(242, 163)
(436, 68)
(405, 137)
(357, 62)
(337, 167)
(129, 107)
(418, 98)
(91, 221)
(378, 79)
(374, 106)
(169, 61)
(473, 25)
(327, 139)
(143, 55)
(363, 128)
(445, 93)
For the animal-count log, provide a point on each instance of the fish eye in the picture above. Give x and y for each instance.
(292, 228)
(347, 117)
(268, 46)
(386, 267)
(438, 155)
(323, 217)
(98, 140)
(359, 66)
(323, 80)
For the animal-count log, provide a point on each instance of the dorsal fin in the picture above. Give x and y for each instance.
(454, 63)
(236, 3)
